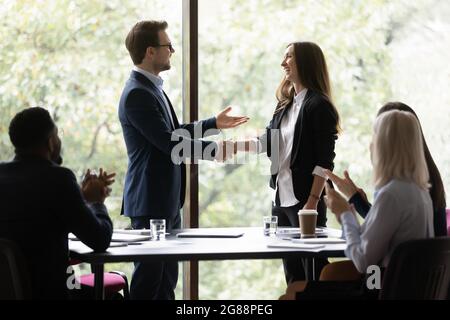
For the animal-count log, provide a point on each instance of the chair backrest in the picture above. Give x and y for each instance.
(448, 221)
(14, 278)
(418, 270)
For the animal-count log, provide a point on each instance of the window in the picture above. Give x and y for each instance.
(70, 56)
(376, 52)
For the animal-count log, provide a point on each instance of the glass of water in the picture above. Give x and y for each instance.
(158, 228)
(270, 224)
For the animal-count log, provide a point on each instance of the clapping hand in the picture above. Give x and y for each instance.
(346, 185)
(336, 202)
(107, 179)
(96, 188)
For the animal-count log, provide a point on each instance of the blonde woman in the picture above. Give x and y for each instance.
(357, 196)
(402, 209)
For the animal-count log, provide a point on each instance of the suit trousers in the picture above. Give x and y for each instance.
(294, 268)
(154, 280)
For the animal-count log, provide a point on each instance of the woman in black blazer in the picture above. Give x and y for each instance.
(300, 141)
(358, 198)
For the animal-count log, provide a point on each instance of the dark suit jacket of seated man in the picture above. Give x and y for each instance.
(40, 203)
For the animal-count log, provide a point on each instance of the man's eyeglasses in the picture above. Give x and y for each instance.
(171, 48)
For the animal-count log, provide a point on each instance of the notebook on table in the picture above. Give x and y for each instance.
(291, 245)
(144, 232)
(288, 231)
(120, 237)
(319, 240)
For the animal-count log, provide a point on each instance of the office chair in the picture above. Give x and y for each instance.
(418, 270)
(15, 283)
(448, 221)
(114, 282)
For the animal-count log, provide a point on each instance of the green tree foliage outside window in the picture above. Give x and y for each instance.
(70, 56)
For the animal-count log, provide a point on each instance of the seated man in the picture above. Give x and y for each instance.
(41, 202)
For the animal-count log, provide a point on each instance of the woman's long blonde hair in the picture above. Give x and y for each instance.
(313, 74)
(397, 149)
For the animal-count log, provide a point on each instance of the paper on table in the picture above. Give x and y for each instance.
(163, 244)
(213, 233)
(117, 244)
(119, 237)
(73, 237)
(288, 231)
(294, 245)
(81, 247)
(146, 232)
(319, 240)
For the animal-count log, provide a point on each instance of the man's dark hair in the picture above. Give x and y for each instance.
(30, 128)
(144, 34)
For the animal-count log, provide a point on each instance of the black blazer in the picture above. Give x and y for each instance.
(314, 140)
(155, 183)
(40, 203)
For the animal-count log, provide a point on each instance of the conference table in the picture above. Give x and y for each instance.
(253, 244)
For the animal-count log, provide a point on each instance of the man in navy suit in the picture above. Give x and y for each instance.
(41, 202)
(157, 146)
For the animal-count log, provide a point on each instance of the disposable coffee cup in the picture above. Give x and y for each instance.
(307, 219)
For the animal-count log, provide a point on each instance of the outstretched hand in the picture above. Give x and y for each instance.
(224, 121)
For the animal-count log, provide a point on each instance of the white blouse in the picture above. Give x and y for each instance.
(284, 183)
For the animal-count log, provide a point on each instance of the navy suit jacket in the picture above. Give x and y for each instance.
(40, 203)
(155, 180)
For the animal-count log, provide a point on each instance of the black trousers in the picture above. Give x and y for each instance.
(337, 290)
(155, 280)
(294, 268)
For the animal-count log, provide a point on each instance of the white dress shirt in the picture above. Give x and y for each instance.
(284, 183)
(401, 211)
(158, 82)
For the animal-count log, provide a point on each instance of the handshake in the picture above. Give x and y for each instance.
(228, 148)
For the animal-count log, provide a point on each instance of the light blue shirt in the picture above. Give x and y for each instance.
(401, 211)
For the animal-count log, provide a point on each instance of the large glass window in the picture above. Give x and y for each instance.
(377, 51)
(70, 56)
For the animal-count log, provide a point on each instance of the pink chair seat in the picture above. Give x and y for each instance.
(112, 282)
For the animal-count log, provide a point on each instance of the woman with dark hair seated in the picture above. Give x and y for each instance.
(402, 209)
(358, 198)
